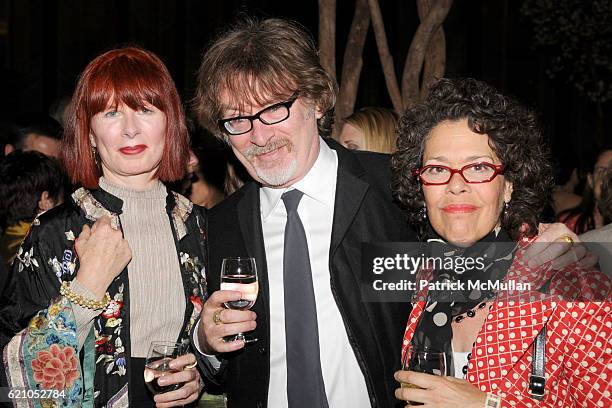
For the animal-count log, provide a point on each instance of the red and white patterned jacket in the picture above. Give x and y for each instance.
(578, 340)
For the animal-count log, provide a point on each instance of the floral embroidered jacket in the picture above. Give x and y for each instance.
(576, 311)
(37, 325)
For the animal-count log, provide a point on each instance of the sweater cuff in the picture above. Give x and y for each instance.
(83, 316)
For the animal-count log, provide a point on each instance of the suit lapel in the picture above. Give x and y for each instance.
(350, 192)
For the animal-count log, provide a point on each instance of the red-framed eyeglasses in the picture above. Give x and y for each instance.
(473, 173)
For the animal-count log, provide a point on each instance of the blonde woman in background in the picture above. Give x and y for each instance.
(371, 129)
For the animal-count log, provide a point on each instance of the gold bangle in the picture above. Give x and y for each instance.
(566, 238)
(66, 290)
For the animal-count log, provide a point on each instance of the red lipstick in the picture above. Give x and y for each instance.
(459, 208)
(133, 149)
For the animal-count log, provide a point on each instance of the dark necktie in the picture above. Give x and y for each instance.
(305, 387)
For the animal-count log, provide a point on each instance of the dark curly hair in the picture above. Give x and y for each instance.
(514, 136)
(24, 176)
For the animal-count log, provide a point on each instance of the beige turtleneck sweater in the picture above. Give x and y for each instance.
(157, 301)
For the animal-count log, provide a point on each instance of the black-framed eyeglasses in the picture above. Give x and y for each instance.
(268, 116)
(473, 173)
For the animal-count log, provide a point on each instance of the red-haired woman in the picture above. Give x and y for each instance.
(135, 273)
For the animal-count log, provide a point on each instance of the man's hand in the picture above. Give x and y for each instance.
(552, 245)
(217, 322)
(188, 376)
(103, 254)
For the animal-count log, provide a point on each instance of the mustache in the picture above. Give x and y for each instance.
(253, 151)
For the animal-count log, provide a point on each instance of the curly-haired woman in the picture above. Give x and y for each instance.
(473, 172)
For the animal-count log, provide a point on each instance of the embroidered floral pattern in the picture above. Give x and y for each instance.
(109, 347)
(26, 258)
(180, 213)
(113, 309)
(92, 208)
(56, 266)
(193, 267)
(196, 301)
(55, 368)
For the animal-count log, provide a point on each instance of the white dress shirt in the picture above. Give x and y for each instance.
(345, 384)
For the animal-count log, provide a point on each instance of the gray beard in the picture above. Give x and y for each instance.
(277, 176)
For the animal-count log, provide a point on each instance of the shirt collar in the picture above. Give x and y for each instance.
(316, 184)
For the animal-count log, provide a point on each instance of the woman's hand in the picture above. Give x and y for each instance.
(439, 392)
(103, 254)
(188, 375)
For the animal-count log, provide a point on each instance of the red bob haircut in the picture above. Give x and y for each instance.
(129, 76)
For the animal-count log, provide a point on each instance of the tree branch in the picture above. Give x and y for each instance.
(351, 65)
(327, 35)
(416, 54)
(435, 57)
(385, 56)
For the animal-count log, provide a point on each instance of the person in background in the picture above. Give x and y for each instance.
(564, 196)
(206, 169)
(371, 129)
(30, 184)
(121, 263)
(42, 135)
(599, 240)
(586, 216)
(473, 171)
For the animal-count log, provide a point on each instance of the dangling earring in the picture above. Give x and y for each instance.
(94, 155)
(423, 213)
(506, 206)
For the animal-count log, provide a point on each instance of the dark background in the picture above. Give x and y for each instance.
(44, 45)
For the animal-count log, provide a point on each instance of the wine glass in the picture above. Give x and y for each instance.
(423, 361)
(240, 274)
(157, 364)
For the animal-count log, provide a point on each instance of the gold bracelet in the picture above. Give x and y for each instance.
(492, 401)
(82, 301)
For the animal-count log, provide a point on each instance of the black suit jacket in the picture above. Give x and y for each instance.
(363, 212)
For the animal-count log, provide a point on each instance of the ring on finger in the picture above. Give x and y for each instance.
(192, 365)
(567, 238)
(217, 317)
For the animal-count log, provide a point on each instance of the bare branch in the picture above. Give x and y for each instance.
(435, 57)
(385, 56)
(416, 54)
(327, 35)
(351, 65)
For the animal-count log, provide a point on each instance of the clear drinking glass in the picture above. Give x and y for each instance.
(157, 364)
(423, 361)
(240, 274)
